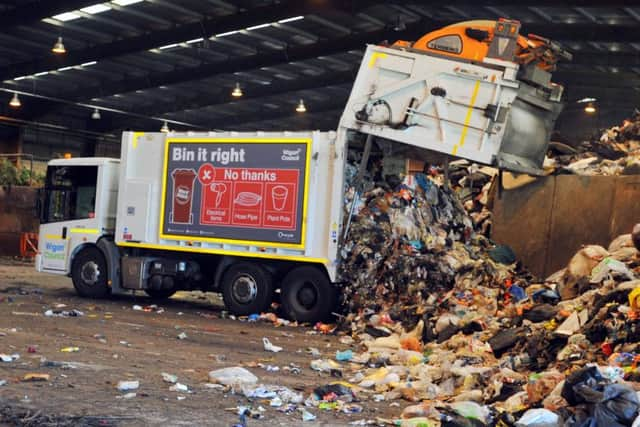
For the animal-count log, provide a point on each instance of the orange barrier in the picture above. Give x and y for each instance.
(28, 245)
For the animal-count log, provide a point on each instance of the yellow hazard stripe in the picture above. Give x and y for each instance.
(53, 237)
(374, 58)
(136, 135)
(85, 230)
(467, 119)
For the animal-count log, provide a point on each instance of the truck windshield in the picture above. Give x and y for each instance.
(70, 193)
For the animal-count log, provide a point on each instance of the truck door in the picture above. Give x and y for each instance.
(69, 205)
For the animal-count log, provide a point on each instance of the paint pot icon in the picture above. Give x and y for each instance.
(218, 189)
(279, 195)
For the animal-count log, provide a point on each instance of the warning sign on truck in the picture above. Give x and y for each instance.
(226, 190)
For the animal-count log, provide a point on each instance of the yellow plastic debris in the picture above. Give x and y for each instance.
(634, 299)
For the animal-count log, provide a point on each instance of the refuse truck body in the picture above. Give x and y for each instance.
(258, 214)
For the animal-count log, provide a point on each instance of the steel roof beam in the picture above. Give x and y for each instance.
(181, 33)
(256, 92)
(30, 12)
(238, 64)
(271, 115)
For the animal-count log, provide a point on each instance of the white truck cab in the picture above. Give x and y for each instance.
(79, 207)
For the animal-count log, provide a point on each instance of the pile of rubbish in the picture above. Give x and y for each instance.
(452, 323)
(616, 152)
(406, 249)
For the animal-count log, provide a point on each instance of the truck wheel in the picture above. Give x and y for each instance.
(89, 273)
(247, 288)
(308, 295)
(160, 294)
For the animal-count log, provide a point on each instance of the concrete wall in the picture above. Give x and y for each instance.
(547, 221)
(16, 216)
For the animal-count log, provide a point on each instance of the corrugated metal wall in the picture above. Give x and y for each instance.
(547, 221)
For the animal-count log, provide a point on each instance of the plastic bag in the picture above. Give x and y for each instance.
(471, 410)
(235, 376)
(583, 386)
(614, 405)
(607, 266)
(505, 339)
(503, 254)
(619, 406)
(538, 418)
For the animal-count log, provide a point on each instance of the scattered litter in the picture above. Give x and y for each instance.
(347, 340)
(63, 313)
(169, 378)
(344, 356)
(35, 377)
(9, 357)
(70, 349)
(182, 336)
(538, 418)
(128, 385)
(270, 347)
(179, 387)
(276, 402)
(100, 338)
(235, 377)
(306, 415)
(314, 352)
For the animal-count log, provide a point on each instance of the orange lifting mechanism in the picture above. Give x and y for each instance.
(477, 40)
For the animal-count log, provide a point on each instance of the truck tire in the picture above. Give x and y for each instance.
(247, 288)
(89, 273)
(308, 295)
(160, 294)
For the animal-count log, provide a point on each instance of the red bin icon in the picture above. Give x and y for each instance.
(183, 181)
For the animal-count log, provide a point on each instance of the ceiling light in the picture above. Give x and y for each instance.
(169, 46)
(43, 73)
(237, 91)
(165, 127)
(301, 107)
(86, 64)
(15, 101)
(58, 46)
(96, 8)
(67, 16)
(590, 108)
(20, 78)
(65, 68)
(228, 33)
(400, 26)
(126, 2)
(295, 18)
(198, 40)
(584, 100)
(257, 27)
(96, 114)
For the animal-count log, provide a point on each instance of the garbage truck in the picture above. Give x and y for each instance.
(254, 214)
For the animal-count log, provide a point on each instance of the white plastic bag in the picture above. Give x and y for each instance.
(234, 377)
(538, 418)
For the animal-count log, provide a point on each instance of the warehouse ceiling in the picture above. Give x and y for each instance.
(144, 61)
